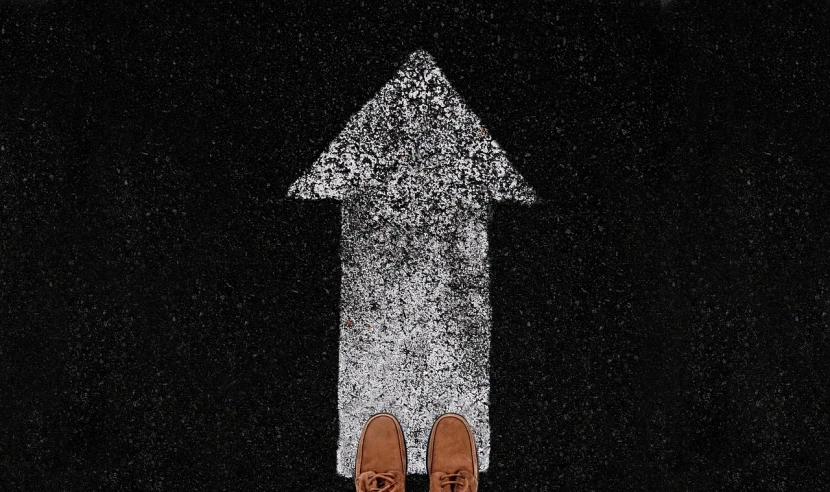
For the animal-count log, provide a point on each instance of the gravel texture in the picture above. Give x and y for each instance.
(170, 320)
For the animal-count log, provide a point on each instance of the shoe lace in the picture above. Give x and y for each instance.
(454, 479)
(378, 482)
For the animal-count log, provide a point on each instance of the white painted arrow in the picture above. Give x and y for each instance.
(416, 173)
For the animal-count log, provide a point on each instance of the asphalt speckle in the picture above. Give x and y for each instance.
(170, 320)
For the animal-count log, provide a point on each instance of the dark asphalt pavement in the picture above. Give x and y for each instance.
(169, 321)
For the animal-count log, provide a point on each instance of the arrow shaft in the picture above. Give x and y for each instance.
(415, 321)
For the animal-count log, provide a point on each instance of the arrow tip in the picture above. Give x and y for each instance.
(415, 130)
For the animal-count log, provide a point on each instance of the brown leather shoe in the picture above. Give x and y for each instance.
(452, 461)
(381, 456)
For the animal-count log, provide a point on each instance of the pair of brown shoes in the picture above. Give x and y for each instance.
(452, 461)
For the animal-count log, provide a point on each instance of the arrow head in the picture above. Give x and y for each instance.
(415, 138)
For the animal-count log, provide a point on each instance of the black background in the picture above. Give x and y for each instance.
(168, 320)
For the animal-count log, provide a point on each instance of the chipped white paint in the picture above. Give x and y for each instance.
(416, 173)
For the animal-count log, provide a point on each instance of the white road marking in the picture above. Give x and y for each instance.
(416, 173)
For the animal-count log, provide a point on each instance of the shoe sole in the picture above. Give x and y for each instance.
(401, 442)
(469, 433)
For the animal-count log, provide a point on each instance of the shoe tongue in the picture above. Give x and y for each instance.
(462, 487)
(382, 482)
(371, 481)
(451, 487)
